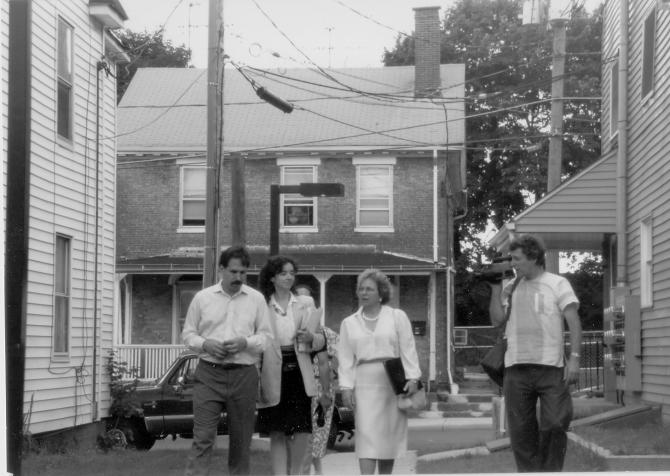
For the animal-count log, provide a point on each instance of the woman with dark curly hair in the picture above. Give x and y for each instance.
(373, 334)
(287, 379)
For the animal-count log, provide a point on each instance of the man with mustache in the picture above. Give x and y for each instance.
(228, 325)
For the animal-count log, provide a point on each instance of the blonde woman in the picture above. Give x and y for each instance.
(374, 333)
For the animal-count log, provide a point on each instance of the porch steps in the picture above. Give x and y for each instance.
(473, 400)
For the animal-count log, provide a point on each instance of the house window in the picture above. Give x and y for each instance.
(65, 76)
(193, 196)
(61, 321)
(374, 195)
(614, 98)
(297, 212)
(648, 53)
(646, 268)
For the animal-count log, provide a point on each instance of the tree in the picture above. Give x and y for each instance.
(507, 97)
(148, 49)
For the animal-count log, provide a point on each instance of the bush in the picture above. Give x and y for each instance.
(122, 389)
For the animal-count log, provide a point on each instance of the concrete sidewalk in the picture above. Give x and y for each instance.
(346, 463)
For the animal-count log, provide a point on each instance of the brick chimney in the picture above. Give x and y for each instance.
(427, 52)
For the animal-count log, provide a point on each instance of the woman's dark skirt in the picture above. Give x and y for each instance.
(293, 413)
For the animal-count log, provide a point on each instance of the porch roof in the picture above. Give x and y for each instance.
(344, 262)
(574, 216)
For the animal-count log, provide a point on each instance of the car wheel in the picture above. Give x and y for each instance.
(332, 434)
(140, 438)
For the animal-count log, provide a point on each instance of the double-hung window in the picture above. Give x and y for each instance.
(374, 194)
(648, 53)
(65, 79)
(298, 213)
(61, 318)
(193, 197)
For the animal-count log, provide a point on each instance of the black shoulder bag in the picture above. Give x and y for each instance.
(493, 362)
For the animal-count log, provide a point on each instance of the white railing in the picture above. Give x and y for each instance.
(151, 361)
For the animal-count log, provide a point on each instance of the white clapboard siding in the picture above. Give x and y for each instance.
(649, 189)
(565, 208)
(63, 201)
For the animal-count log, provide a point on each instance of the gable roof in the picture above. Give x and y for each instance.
(165, 110)
(574, 215)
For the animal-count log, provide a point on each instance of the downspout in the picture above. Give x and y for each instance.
(435, 221)
(432, 359)
(621, 169)
(453, 388)
(451, 272)
(94, 394)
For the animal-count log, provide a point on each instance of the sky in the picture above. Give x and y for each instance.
(327, 32)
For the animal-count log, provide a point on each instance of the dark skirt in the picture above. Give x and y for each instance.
(293, 413)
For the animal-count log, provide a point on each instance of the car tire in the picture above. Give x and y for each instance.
(139, 437)
(334, 430)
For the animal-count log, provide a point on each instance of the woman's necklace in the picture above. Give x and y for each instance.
(370, 319)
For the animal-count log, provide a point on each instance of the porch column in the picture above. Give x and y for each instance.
(117, 312)
(128, 310)
(432, 363)
(551, 260)
(323, 279)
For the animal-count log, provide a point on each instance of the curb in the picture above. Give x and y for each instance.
(474, 451)
(447, 423)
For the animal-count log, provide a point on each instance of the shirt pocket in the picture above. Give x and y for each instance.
(539, 304)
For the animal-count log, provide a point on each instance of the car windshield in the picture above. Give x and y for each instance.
(186, 370)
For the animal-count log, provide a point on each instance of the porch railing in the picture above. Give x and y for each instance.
(591, 360)
(472, 343)
(149, 361)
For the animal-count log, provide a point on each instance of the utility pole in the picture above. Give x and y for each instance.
(558, 26)
(535, 11)
(558, 20)
(214, 140)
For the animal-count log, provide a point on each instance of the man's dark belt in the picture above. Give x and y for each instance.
(224, 366)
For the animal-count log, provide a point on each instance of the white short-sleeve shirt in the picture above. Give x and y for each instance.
(535, 327)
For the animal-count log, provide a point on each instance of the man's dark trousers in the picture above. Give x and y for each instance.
(237, 387)
(537, 447)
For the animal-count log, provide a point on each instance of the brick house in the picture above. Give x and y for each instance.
(379, 131)
(619, 205)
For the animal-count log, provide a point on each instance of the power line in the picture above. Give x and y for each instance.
(167, 109)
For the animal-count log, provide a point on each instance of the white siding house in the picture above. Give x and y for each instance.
(70, 281)
(636, 164)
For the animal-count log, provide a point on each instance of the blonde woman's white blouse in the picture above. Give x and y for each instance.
(391, 338)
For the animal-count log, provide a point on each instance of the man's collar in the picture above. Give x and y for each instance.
(219, 289)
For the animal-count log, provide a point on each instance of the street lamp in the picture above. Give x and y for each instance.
(304, 189)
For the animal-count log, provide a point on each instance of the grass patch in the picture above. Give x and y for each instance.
(130, 463)
(649, 439)
(577, 459)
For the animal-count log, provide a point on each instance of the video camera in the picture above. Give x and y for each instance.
(497, 271)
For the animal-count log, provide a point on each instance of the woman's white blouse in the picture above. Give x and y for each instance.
(284, 322)
(392, 337)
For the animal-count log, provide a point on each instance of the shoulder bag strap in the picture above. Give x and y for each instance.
(503, 326)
